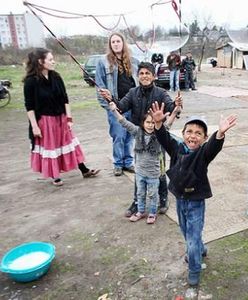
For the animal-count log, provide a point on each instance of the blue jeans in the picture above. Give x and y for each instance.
(163, 188)
(122, 141)
(191, 221)
(147, 187)
(174, 80)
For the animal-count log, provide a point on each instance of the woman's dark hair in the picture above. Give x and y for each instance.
(33, 66)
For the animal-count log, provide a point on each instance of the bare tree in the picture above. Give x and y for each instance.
(204, 31)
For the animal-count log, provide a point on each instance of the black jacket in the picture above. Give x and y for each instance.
(188, 170)
(188, 64)
(139, 101)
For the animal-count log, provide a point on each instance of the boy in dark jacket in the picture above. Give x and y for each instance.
(188, 177)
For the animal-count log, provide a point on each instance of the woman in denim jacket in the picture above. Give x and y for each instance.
(117, 72)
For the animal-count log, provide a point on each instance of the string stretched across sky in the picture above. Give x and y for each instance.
(122, 16)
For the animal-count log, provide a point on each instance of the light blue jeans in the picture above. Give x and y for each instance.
(191, 216)
(174, 80)
(122, 141)
(147, 187)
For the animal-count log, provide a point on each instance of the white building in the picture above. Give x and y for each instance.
(21, 31)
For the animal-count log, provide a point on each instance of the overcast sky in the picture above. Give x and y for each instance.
(220, 12)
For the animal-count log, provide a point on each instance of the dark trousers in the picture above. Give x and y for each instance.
(189, 80)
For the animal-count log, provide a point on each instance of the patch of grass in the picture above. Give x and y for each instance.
(85, 104)
(81, 241)
(228, 267)
(135, 269)
(62, 266)
(80, 95)
(114, 255)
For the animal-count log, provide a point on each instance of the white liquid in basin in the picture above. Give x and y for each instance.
(29, 260)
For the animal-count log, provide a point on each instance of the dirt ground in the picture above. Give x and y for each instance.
(98, 250)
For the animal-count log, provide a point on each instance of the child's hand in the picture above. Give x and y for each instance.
(157, 114)
(112, 106)
(179, 100)
(105, 94)
(225, 124)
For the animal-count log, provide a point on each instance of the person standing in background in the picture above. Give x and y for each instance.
(189, 65)
(174, 62)
(117, 72)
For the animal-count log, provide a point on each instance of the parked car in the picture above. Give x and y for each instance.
(90, 68)
(163, 76)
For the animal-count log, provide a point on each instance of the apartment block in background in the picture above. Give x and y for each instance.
(21, 31)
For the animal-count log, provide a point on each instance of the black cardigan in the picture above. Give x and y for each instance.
(44, 97)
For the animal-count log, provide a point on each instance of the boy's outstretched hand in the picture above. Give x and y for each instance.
(225, 124)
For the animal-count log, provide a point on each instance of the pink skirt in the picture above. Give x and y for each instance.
(58, 150)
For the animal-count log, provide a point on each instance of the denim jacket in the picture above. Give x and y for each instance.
(108, 79)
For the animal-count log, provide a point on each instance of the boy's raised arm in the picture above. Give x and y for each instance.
(225, 124)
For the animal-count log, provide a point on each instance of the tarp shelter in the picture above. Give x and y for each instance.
(233, 55)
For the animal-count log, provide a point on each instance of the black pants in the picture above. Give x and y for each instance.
(189, 80)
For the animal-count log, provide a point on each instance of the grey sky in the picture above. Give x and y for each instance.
(220, 12)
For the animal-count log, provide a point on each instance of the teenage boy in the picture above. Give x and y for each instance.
(188, 177)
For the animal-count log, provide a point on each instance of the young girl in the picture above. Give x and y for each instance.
(147, 163)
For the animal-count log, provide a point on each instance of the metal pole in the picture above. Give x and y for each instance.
(180, 29)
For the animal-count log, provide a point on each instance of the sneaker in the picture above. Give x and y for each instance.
(194, 278)
(138, 216)
(151, 219)
(164, 205)
(194, 89)
(131, 210)
(118, 171)
(129, 169)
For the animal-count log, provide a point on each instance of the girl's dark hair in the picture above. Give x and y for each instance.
(33, 66)
(143, 119)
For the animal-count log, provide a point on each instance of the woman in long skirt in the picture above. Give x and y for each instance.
(55, 149)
